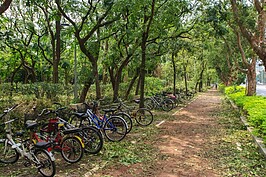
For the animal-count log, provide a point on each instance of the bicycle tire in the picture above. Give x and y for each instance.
(80, 122)
(93, 140)
(167, 105)
(127, 118)
(71, 149)
(47, 165)
(144, 116)
(8, 155)
(115, 128)
(149, 103)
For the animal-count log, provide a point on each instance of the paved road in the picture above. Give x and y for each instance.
(261, 90)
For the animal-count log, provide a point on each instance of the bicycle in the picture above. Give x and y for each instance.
(158, 101)
(114, 128)
(142, 116)
(38, 154)
(91, 136)
(114, 112)
(66, 141)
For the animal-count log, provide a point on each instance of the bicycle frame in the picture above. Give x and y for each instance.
(155, 100)
(22, 151)
(96, 120)
(58, 136)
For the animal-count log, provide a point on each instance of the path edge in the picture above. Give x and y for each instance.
(257, 140)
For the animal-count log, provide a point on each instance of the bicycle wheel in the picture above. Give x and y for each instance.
(115, 128)
(127, 118)
(144, 117)
(8, 155)
(167, 105)
(149, 103)
(47, 165)
(79, 122)
(92, 139)
(72, 149)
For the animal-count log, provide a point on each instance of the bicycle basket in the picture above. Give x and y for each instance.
(79, 107)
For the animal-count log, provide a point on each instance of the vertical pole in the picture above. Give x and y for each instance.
(75, 73)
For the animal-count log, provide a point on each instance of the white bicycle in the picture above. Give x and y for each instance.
(37, 154)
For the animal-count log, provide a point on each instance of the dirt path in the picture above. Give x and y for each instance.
(184, 140)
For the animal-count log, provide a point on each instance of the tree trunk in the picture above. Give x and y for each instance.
(201, 79)
(57, 50)
(97, 81)
(84, 92)
(174, 73)
(142, 71)
(251, 78)
(117, 84)
(185, 78)
(132, 83)
(5, 6)
(137, 88)
(145, 35)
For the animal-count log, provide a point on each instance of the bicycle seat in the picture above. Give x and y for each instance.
(109, 110)
(31, 125)
(80, 115)
(42, 144)
(72, 130)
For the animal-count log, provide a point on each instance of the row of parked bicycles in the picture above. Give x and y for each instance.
(166, 101)
(74, 130)
(69, 131)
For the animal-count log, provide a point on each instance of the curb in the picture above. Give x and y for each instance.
(257, 140)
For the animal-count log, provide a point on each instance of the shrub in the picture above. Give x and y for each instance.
(254, 106)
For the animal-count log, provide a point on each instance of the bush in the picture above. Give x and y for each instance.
(254, 106)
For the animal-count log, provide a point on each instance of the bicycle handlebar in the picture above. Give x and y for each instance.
(9, 121)
(10, 109)
(50, 111)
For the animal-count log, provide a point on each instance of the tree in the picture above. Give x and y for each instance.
(253, 31)
(87, 22)
(52, 15)
(119, 50)
(249, 67)
(20, 38)
(5, 6)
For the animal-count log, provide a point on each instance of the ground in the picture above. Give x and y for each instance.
(198, 140)
(185, 138)
(182, 140)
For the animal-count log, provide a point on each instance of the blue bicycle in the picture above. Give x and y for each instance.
(114, 127)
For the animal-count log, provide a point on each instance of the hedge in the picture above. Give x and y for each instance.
(253, 106)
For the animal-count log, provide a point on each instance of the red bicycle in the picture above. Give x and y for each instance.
(66, 142)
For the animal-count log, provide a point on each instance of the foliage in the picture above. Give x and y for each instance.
(38, 90)
(254, 106)
(153, 85)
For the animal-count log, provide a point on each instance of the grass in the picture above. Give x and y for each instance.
(234, 151)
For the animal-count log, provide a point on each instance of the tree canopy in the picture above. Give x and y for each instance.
(186, 44)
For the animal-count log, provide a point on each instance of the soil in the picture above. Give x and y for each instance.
(181, 141)
(186, 138)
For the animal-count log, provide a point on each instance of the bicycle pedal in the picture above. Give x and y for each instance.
(27, 164)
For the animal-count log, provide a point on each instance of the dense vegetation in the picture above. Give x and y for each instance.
(252, 107)
(91, 49)
(76, 51)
